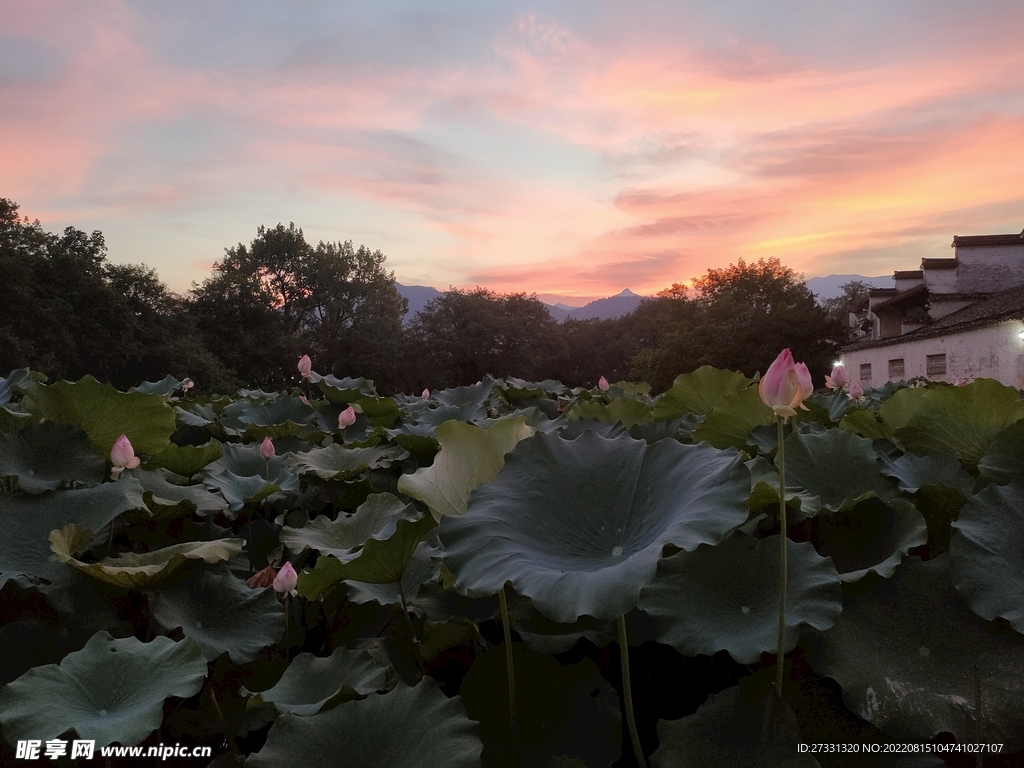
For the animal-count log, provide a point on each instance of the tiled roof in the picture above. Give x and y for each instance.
(907, 274)
(938, 263)
(997, 308)
(976, 240)
(882, 292)
(915, 293)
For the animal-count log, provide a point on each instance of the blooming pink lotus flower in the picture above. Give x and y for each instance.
(856, 393)
(838, 380)
(267, 449)
(602, 384)
(286, 579)
(426, 394)
(122, 456)
(347, 417)
(785, 385)
(305, 366)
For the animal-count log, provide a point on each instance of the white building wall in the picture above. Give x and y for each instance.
(989, 268)
(995, 352)
(940, 280)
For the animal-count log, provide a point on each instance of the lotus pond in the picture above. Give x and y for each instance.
(471, 563)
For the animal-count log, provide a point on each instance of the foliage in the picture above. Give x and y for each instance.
(904, 570)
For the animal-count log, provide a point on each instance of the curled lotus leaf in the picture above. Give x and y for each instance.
(311, 683)
(911, 656)
(374, 518)
(987, 553)
(111, 690)
(133, 570)
(914, 472)
(46, 456)
(469, 456)
(726, 597)
(343, 391)
(698, 392)
(406, 728)
(221, 614)
(336, 462)
(579, 525)
(244, 477)
(186, 460)
(423, 566)
(627, 412)
(166, 498)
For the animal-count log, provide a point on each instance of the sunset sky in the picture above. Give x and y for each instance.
(570, 149)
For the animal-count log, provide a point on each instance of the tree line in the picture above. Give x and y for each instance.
(67, 311)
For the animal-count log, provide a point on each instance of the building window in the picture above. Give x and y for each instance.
(896, 368)
(865, 373)
(936, 365)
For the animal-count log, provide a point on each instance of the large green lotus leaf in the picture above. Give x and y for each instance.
(579, 525)
(336, 462)
(986, 553)
(186, 460)
(726, 597)
(866, 423)
(764, 492)
(380, 411)
(1004, 458)
(837, 466)
(561, 709)
(221, 614)
(470, 402)
(281, 417)
(105, 414)
(469, 456)
(835, 403)
(914, 472)
(165, 387)
(379, 561)
(742, 726)
(45, 456)
(111, 690)
(628, 412)
(698, 392)
(165, 498)
(905, 650)
(26, 522)
(422, 567)
(961, 420)
(245, 477)
(339, 537)
(730, 422)
(407, 728)
(519, 389)
(872, 537)
(898, 409)
(132, 570)
(312, 683)
(343, 391)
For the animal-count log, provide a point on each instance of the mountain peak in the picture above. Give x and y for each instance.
(626, 292)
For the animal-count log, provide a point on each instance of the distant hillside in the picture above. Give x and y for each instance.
(829, 287)
(603, 309)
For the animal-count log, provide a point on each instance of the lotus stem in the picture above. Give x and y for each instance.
(627, 695)
(783, 581)
(287, 626)
(509, 665)
(405, 612)
(224, 724)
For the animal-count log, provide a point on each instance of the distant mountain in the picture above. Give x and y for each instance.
(604, 309)
(829, 287)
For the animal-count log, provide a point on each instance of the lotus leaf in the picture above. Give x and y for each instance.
(342, 391)
(469, 456)
(734, 416)
(407, 728)
(111, 690)
(579, 525)
(726, 597)
(904, 650)
(245, 477)
(628, 412)
(873, 536)
(914, 472)
(186, 460)
(986, 553)
(375, 518)
(45, 456)
(1004, 457)
(221, 614)
(336, 462)
(311, 683)
(421, 568)
(166, 498)
(698, 392)
(165, 387)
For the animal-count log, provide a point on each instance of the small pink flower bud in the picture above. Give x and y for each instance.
(286, 580)
(122, 456)
(856, 393)
(602, 384)
(838, 380)
(426, 394)
(347, 417)
(305, 365)
(187, 384)
(267, 449)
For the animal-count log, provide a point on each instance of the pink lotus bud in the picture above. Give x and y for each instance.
(187, 384)
(602, 384)
(305, 365)
(347, 417)
(785, 385)
(856, 393)
(838, 379)
(122, 456)
(267, 449)
(426, 394)
(286, 580)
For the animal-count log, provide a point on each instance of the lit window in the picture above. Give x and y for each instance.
(896, 368)
(936, 365)
(865, 373)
